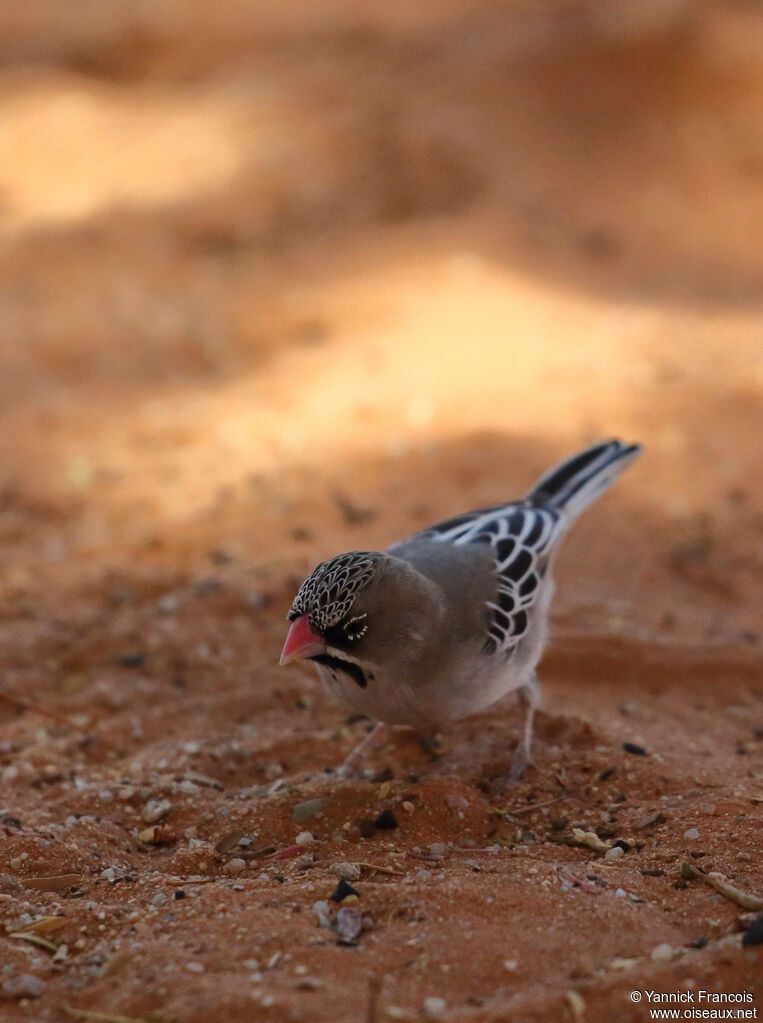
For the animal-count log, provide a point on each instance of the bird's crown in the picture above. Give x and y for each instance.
(329, 591)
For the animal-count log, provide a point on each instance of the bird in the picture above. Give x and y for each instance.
(442, 624)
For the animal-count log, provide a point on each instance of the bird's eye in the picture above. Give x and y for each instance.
(355, 628)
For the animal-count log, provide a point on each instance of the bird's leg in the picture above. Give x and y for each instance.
(529, 698)
(352, 767)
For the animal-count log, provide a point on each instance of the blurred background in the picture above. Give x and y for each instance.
(281, 280)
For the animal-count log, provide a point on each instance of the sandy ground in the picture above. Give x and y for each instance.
(276, 284)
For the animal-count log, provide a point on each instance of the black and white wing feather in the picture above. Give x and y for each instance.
(522, 537)
(524, 533)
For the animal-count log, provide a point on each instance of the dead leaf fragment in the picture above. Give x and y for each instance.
(590, 839)
(51, 884)
(747, 900)
(34, 939)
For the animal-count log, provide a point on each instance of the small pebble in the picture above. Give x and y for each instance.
(349, 924)
(691, 834)
(615, 853)
(195, 967)
(661, 953)
(510, 965)
(308, 984)
(348, 871)
(159, 899)
(407, 806)
(235, 866)
(754, 933)
(342, 890)
(23, 985)
(304, 838)
(386, 821)
(302, 812)
(632, 748)
(434, 1007)
(156, 810)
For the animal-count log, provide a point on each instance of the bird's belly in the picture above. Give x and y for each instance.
(452, 694)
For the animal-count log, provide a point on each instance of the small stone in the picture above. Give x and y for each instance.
(349, 924)
(235, 866)
(347, 871)
(308, 984)
(407, 806)
(622, 964)
(661, 953)
(434, 1007)
(510, 965)
(688, 872)
(195, 967)
(322, 911)
(159, 899)
(754, 933)
(691, 834)
(634, 750)
(656, 817)
(304, 838)
(23, 985)
(156, 810)
(342, 890)
(386, 821)
(615, 853)
(302, 812)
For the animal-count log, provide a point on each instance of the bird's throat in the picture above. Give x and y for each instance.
(355, 672)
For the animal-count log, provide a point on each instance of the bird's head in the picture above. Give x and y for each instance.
(326, 612)
(360, 608)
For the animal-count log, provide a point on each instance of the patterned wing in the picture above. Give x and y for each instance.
(522, 537)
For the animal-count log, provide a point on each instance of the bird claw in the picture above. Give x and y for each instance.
(519, 764)
(350, 771)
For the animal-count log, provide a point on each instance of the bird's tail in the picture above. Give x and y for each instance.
(575, 483)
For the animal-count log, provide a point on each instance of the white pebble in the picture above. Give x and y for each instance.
(434, 1007)
(235, 866)
(156, 810)
(304, 838)
(661, 953)
(195, 967)
(159, 899)
(691, 834)
(615, 853)
(510, 965)
(23, 985)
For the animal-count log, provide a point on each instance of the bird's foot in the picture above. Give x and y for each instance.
(353, 765)
(519, 764)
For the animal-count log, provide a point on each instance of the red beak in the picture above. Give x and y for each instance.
(301, 641)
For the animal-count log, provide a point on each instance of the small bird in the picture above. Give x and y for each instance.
(448, 621)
